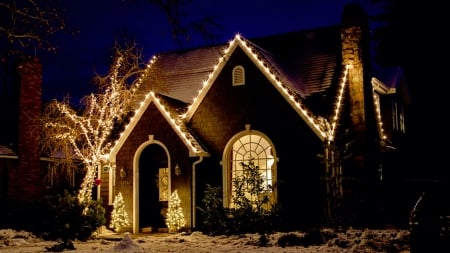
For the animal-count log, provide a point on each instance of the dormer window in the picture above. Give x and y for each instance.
(238, 75)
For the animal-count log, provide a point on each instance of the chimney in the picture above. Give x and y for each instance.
(364, 162)
(27, 181)
(355, 39)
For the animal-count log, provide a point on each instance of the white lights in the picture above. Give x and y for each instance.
(324, 128)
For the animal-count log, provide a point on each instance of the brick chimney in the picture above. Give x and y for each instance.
(27, 181)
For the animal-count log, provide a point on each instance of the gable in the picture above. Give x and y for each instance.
(273, 73)
(305, 67)
(226, 109)
(187, 138)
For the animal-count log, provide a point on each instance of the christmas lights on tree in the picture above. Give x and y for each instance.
(175, 218)
(86, 135)
(119, 216)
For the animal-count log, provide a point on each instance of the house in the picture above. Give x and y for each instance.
(304, 105)
(307, 106)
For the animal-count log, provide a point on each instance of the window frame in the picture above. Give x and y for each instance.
(228, 162)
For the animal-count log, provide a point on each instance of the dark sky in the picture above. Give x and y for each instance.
(101, 22)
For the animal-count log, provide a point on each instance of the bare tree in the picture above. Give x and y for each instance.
(30, 24)
(86, 135)
(181, 30)
(27, 26)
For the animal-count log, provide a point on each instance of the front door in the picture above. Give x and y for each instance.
(153, 188)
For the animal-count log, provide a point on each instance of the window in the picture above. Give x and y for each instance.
(238, 75)
(249, 151)
(58, 178)
(398, 117)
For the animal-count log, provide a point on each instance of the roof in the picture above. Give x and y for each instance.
(305, 66)
(308, 60)
(169, 109)
(7, 152)
(182, 73)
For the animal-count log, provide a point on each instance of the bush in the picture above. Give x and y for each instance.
(254, 212)
(68, 219)
(214, 214)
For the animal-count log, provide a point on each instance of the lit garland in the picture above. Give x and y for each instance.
(318, 124)
(174, 121)
(338, 108)
(378, 116)
(137, 113)
(324, 129)
(176, 125)
(379, 88)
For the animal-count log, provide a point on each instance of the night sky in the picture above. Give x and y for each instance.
(101, 22)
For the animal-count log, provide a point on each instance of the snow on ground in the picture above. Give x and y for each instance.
(351, 240)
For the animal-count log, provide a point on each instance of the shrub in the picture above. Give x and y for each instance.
(214, 214)
(68, 219)
(253, 212)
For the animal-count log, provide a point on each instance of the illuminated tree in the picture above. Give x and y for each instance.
(175, 218)
(86, 135)
(119, 216)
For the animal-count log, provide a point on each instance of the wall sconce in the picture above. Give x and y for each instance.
(177, 170)
(122, 173)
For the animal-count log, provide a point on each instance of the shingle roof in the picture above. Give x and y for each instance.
(4, 150)
(309, 64)
(180, 75)
(174, 108)
(309, 61)
(309, 58)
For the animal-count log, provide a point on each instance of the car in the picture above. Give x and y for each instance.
(429, 220)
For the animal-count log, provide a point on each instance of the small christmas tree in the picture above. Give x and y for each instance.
(119, 217)
(175, 218)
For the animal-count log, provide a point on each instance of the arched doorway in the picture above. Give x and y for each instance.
(153, 187)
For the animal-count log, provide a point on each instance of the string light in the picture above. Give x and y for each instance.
(175, 217)
(119, 216)
(320, 125)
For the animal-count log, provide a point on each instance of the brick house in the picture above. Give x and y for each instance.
(305, 105)
(308, 106)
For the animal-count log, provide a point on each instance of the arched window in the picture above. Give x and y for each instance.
(238, 75)
(249, 152)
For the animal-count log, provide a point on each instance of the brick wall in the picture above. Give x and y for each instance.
(27, 181)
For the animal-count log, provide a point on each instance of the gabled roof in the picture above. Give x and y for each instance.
(307, 62)
(183, 72)
(275, 74)
(296, 69)
(169, 113)
(305, 67)
(7, 152)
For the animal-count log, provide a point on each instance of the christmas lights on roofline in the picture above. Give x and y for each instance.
(322, 126)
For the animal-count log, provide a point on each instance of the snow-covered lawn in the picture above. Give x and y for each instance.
(351, 240)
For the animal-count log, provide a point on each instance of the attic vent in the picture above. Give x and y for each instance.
(238, 75)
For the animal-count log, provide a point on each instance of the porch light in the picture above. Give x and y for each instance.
(177, 170)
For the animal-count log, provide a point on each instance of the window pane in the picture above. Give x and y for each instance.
(256, 149)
